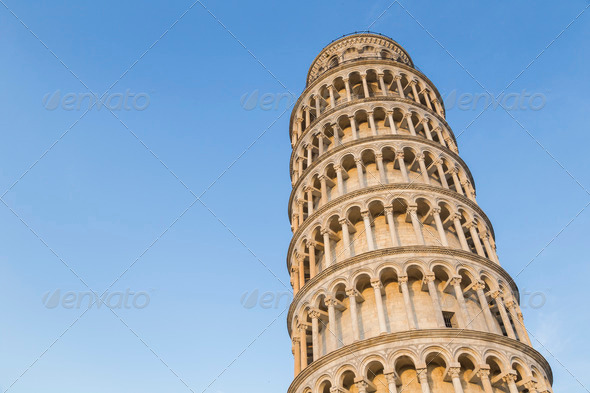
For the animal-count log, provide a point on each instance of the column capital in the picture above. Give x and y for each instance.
(430, 277)
(389, 112)
(325, 231)
(380, 74)
(402, 279)
(510, 376)
(509, 304)
(457, 216)
(295, 340)
(478, 285)
(315, 314)
(420, 156)
(412, 208)
(361, 386)
(358, 161)
(330, 301)
(484, 371)
(311, 243)
(397, 77)
(407, 115)
(350, 292)
(496, 294)
(399, 154)
(422, 374)
(388, 209)
(391, 377)
(379, 156)
(436, 210)
(531, 385)
(365, 214)
(454, 372)
(376, 283)
(337, 168)
(455, 280)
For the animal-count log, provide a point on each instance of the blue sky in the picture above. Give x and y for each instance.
(102, 199)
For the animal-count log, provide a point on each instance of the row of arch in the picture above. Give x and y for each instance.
(385, 222)
(359, 83)
(353, 49)
(360, 122)
(378, 165)
(435, 369)
(364, 303)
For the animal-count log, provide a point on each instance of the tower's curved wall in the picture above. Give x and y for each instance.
(393, 264)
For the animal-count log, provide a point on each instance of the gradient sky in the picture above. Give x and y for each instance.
(109, 200)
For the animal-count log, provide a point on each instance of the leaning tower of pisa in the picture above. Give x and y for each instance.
(393, 264)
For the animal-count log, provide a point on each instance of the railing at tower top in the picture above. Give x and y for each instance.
(360, 32)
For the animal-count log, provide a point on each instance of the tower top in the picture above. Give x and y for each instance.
(357, 46)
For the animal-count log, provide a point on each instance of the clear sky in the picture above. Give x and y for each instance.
(107, 204)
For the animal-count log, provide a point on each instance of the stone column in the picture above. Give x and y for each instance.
(382, 84)
(336, 130)
(427, 128)
(489, 249)
(303, 345)
(456, 181)
(332, 98)
(403, 284)
(309, 191)
(377, 287)
(339, 180)
(439, 226)
(360, 172)
(296, 354)
(351, 293)
(391, 122)
(307, 117)
(327, 251)
(333, 339)
(315, 334)
(441, 174)
(355, 133)
(432, 291)
(398, 81)
(324, 189)
(484, 375)
(441, 139)
(426, 94)
(475, 237)
(423, 377)
(464, 314)
(408, 117)
(485, 307)
(365, 86)
(460, 233)
(368, 229)
(299, 166)
(402, 165)
(381, 168)
(454, 372)
(505, 320)
(309, 148)
(510, 305)
(321, 143)
(312, 265)
(423, 169)
(317, 105)
(371, 118)
(416, 97)
(510, 380)
(301, 263)
(300, 211)
(521, 320)
(345, 237)
(295, 275)
(391, 225)
(347, 87)
(391, 385)
(413, 211)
